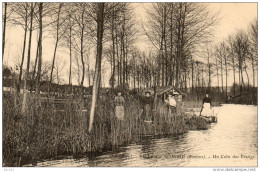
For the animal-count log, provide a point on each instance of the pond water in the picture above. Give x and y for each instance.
(232, 141)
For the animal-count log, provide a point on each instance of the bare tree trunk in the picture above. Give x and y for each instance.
(28, 61)
(53, 62)
(202, 76)
(234, 74)
(70, 47)
(192, 75)
(126, 65)
(253, 69)
(226, 78)
(209, 70)
(36, 59)
(217, 74)
(138, 80)
(3, 48)
(183, 26)
(221, 70)
(118, 61)
(56, 45)
(123, 51)
(248, 83)
(239, 77)
(57, 75)
(178, 46)
(185, 82)
(113, 53)
(100, 31)
(88, 70)
(134, 74)
(24, 45)
(242, 78)
(81, 50)
(171, 73)
(165, 47)
(40, 50)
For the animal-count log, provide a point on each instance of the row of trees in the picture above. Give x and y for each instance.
(185, 57)
(176, 30)
(238, 53)
(235, 56)
(177, 33)
(73, 25)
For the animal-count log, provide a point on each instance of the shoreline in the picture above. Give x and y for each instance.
(42, 133)
(91, 155)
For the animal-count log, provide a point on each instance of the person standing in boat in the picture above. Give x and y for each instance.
(206, 106)
(119, 106)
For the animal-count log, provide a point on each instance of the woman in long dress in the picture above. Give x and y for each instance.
(119, 106)
(206, 106)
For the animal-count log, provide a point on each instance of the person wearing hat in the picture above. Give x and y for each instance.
(119, 102)
(147, 102)
(206, 106)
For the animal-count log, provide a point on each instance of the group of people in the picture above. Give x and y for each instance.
(147, 103)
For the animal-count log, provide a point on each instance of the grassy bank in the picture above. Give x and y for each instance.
(43, 133)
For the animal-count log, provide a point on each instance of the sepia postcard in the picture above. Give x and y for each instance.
(129, 84)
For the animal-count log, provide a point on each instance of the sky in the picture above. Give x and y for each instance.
(234, 16)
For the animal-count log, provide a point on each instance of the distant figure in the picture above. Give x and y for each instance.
(171, 103)
(119, 106)
(206, 106)
(147, 102)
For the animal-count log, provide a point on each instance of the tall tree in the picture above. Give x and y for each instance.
(4, 25)
(100, 13)
(83, 31)
(38, 77)
(225, 50)
(219, 55)
(28, 58)
(70, 45)
(241, 47)
(209, 64)
(20, 17)
(232, 61)
(59, 21)
(253, 40)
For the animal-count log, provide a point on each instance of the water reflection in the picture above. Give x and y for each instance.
(230, 142)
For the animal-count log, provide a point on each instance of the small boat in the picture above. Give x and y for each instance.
(210, 119)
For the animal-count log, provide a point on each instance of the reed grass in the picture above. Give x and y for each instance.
(43, 133)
